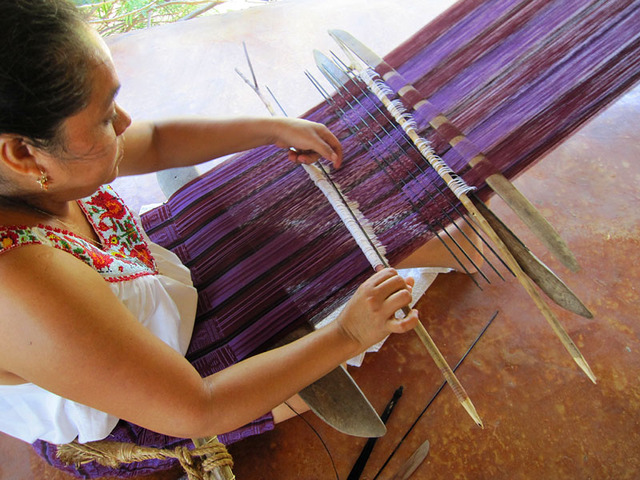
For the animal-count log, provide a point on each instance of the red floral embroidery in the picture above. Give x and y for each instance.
(118, 229)
(8, 239)
(112, 206)
(100, 260)
(142, 253)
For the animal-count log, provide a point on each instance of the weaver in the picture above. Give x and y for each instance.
(516, 77)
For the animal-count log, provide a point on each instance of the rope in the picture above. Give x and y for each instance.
(198, 462)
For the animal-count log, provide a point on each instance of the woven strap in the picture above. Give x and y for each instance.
(198, 462)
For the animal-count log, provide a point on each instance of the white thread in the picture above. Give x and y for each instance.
(457, 185)
(395, 110)
(359, 227)
(398, 107)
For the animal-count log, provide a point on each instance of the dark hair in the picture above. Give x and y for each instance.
(43, 68)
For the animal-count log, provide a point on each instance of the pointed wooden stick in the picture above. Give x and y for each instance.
(460, 190)
(447, 372)
(527, 212)
(437, 392)
(411, 465)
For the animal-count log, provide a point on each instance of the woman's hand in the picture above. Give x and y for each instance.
(370, 314)
(307, 141)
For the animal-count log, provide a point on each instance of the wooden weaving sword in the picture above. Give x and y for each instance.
(337, 399)
(527, 212)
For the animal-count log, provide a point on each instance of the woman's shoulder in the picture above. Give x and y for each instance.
(34, 255)
(35, 279)
(21, 245)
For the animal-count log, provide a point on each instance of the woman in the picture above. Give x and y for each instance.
(94, 330)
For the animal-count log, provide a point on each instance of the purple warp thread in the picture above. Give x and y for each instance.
(519, 77)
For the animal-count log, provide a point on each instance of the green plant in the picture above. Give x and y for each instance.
(117, 16)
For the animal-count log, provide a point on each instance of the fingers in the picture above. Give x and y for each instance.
(332, 148)
(303, 156)
(397, 292)
(326, 145)
(312, 141)
(402, 325)
(390, 292)
(388, 280)
(370, 315)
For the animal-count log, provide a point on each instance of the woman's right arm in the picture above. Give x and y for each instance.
(150, 147)
(64, 330)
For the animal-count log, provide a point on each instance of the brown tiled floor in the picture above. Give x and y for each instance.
(543, 418)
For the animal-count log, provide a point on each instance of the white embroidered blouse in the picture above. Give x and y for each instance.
(148, 279)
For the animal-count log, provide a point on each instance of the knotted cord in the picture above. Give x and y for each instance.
(197, 462)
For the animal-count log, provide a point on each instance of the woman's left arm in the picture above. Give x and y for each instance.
(150, 147)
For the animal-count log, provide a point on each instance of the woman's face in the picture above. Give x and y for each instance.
(92, 138)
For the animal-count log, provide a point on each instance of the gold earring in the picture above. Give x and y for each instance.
(43, 180)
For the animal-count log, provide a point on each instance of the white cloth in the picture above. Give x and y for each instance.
(423, 277)
(164, 303)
